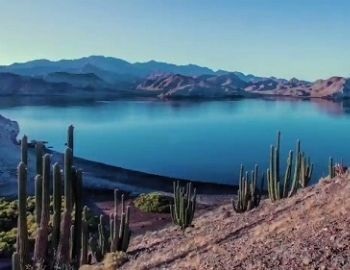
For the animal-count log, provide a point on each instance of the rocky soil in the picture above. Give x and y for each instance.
(308, 231)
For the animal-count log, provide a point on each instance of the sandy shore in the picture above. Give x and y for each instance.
(97, 176)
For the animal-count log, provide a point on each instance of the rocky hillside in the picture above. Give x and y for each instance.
(175, 85)
(229, 84)
(307, 231)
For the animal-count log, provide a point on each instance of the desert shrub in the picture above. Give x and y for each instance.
(7, 242)
(153, 203)
(114, 260)
(8, 224)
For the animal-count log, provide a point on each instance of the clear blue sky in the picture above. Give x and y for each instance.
(307, 39)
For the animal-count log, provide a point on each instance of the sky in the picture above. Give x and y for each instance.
(307, 39)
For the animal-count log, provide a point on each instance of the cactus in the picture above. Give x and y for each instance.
(68, 163)
(306, 169)
(41, 243)
(184, 206)
(120, 236)
(22, 215)
(38, 198)
(84, 238)
(331, 168)
(24, 150)
(76, 241)
(39, 149)
(16, 261)
(302, 172)
(57, 204)
(102, 241)
(68, 241)
(248, 194)
(70, 137)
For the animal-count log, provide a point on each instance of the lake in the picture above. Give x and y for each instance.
(205, 141)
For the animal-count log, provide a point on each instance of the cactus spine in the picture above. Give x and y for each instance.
(22, 216)
(184, 206)
(302, 172)
(248, 194)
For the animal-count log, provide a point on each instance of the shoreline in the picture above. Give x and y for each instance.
(98, 177)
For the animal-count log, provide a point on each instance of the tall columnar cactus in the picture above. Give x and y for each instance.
(24, 150)
(39, 149)
(184, 206)
(70, 137)
(41, 243)
(16, 261)
(306, 169)
(331, 168)
(102, 238)
(38, 197)
(68, 241)
(279, 187)
(120, 235)
(68, 164)
(76, 240)
(84, 238)
(248, 194)
(57, 204)
(22, 216)
(63, 252)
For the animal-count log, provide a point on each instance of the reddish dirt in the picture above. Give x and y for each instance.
(308, 231)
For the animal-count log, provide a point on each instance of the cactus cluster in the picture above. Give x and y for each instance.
(67, 243)
(249, 195)
(184, 206)
(295, 176)
(114, 237)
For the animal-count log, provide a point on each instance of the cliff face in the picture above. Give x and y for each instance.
(307, 231)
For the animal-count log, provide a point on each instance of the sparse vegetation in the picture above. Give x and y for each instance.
(280, 187)
(153, 202)
(249, 195)
(184, 206)
(60, 233)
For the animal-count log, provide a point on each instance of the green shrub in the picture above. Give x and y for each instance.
(8, 224)
(153, 203)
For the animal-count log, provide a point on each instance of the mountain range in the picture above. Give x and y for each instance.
(99, 76)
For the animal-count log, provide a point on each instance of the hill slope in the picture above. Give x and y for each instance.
(308, 231)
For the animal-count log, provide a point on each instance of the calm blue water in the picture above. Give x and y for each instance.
(198, 140)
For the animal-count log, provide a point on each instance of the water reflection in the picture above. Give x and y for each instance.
(203, 140)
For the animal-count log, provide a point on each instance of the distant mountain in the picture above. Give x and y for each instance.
(205, 86)
(100, 76)
(79, 86)
(230, 85)
(76, 80)
(104, 64)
